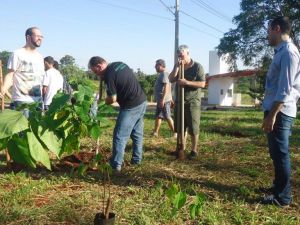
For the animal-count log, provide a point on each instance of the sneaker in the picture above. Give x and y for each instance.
(134, 163)
(193, 155)
(272, 200)
(116, 172)
(268, 190)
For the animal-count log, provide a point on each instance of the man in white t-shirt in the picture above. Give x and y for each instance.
(52, 82)
(26, 70)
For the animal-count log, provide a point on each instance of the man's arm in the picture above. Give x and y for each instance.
(269, 121)
(8, 82)
(173, 75)
(44, 91)
(110, 99)
(194, 84)
(166, 88)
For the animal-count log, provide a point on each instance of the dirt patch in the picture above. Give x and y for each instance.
(233, 133)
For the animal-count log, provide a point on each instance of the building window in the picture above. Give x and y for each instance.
(229, 92)
(221, 91)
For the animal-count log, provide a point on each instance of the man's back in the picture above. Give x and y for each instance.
(161, 80)
(54, 81)
(121, 81)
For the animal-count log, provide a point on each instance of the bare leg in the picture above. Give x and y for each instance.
(171, 124)
(157, 125)
(195, 142)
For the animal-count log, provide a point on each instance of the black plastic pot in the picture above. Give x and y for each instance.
(100, 220)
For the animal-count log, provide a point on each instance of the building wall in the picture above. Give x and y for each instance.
(217, 65)
(220, 91)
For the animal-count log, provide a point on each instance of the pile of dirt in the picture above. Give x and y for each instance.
(76, 159)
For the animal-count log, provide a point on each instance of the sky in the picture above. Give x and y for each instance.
(137, 32)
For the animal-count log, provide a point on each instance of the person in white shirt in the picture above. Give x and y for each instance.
(52, 82)
(26, 70)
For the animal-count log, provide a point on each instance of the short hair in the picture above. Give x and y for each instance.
(49, 59)
(56, 65)
(29, 31)
(95, 60)
(183, 47)
(161, 62)
(283, 22)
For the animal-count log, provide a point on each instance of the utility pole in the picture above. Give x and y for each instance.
(1, 86)
(176, 29)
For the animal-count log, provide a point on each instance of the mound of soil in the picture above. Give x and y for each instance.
(76, 159)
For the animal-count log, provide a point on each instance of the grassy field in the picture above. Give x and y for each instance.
(233, 163)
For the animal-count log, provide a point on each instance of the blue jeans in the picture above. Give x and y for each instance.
(278, 141)
(130, 123)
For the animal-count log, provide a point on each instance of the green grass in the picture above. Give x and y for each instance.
(233, 164)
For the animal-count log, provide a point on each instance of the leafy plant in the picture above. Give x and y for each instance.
(58, 130)
(196, 207)
(177, 199)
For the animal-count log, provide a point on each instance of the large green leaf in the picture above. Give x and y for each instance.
(83, 130)
(70, 144)
(172, 191)
(95, 131)
(179, 200)
(19, 150)
(12, 122)
(85, 90)
(192, 208)
(58, 120)
(3, 143)
(37, 151)
(50, 139)
(59, 100)
(81, 111)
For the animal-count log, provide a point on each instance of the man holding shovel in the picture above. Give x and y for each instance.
(193, 81)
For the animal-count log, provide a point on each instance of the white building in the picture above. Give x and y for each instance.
(220, 90)
(221, 82)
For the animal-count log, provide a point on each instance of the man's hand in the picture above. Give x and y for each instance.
(110, 99)
(182, 82)
(268, 123)
(161, 104)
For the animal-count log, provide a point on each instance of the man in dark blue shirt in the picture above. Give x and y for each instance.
(123, 87)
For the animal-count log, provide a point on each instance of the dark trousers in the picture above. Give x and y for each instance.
(278, 141)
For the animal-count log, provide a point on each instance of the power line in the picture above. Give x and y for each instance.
(167, 7)
(201, 31)
(154, 15)
(200, 21)
(187, 25)
(132, 10)
(210, 9)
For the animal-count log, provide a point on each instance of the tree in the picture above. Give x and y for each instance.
(147, 82)
(4, 55)
(67, 60)
(77, 76)
(249, 40)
